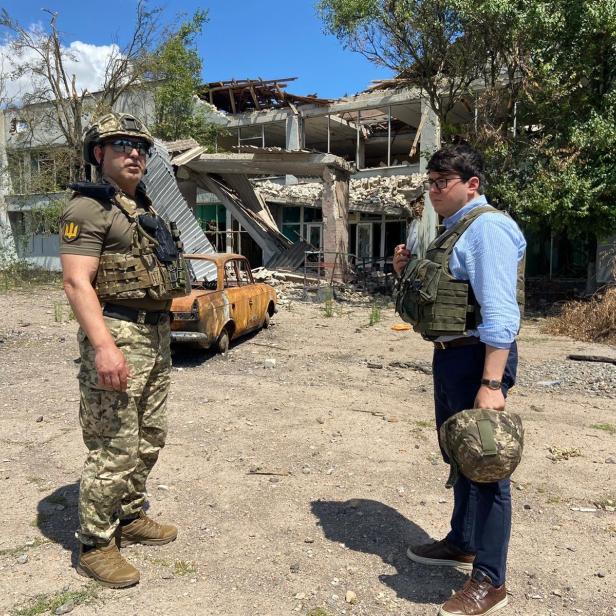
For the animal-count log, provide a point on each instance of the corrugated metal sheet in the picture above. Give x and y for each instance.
(168, 201)
(291, 258)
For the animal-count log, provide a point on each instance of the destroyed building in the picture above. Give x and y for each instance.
(337, 176)
(379, 134)
(372, 139)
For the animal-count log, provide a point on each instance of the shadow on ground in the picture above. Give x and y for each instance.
(375, 528)
(57, 518)
(187, 356)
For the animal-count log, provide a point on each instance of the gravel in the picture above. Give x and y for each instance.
(592, 378)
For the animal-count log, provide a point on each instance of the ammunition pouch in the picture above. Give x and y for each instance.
(168, 252)
(165, 248)
(155, 267)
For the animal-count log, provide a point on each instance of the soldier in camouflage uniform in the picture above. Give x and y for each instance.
(463, 297)
(113, 280)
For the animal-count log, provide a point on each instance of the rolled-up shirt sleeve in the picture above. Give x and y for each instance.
(490, 251)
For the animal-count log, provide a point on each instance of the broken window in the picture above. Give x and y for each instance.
(17, 171)
(291, 222)
(267, 135)
(245, 275)
(231, 278)
(49, 170)
(313, 227)
(332, 134)
(386, 136)
(213, 220)
(251, 135)
(18, 126)
(395, 233)
(372, 239)
(275, 135)
(371, 138)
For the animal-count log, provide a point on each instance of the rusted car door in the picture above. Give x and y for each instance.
(237, 297)
(253, 293)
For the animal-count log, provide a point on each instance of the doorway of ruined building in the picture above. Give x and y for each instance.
(244, 244)
(364, 240)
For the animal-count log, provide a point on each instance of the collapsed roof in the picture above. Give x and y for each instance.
(255, 94)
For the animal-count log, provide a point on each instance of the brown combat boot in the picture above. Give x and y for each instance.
(107, 566)
(146, 531)
(477, 598)
(441, 553)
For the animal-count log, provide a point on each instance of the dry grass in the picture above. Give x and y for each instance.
(591, 321)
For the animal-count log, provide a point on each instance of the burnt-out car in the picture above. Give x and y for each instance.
(221, 310)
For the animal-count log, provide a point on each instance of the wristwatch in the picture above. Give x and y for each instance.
(492, 384)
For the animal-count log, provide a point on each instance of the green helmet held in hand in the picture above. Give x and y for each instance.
(113, 125)
(483, 444)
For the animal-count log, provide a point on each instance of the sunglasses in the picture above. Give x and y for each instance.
(126, 146)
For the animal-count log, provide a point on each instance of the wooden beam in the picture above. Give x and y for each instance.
(254, 98)
(239, 84)
(424, 117)
(232, 99)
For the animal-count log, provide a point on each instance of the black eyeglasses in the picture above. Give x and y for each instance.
(440, 183)
(126, 146)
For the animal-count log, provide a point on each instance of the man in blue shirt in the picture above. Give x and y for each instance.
(474, 371)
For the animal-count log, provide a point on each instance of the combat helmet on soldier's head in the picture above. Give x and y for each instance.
(113, 125)
(483, 444)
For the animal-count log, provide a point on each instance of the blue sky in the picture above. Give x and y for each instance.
(246, 38)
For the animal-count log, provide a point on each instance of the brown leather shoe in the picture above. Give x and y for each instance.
(441, 553)
(477, 598)
(107, 566)
(146, 531)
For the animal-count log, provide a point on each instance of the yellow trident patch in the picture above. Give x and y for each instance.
(70, 232)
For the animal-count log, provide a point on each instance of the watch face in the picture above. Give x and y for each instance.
(491, 383)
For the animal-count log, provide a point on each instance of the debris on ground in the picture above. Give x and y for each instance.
(563, 453)
(591, 321)
(283, 480)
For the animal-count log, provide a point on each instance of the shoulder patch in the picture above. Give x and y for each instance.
(70, 231)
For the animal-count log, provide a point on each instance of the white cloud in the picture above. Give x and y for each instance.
(87, 62)
(91, 63)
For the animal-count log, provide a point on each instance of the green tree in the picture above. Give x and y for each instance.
(178, 66)
(559, 168)
(428, 41)
(541, 76)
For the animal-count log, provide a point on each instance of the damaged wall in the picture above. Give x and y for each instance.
(378, 193)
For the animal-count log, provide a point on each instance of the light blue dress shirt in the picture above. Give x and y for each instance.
(487, 255)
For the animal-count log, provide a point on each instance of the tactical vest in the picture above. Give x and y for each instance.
(431, 299)
(155, 267)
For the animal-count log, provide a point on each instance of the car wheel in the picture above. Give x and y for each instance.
(266, 320)
(222, 344)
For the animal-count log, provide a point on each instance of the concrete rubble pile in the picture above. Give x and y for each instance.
(377, 191)
(290, 287)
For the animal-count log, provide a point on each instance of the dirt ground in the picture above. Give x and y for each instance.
(355, 476)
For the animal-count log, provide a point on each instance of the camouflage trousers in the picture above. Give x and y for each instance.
(123, 431)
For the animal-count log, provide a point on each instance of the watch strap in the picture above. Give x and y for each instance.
(492, 383)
